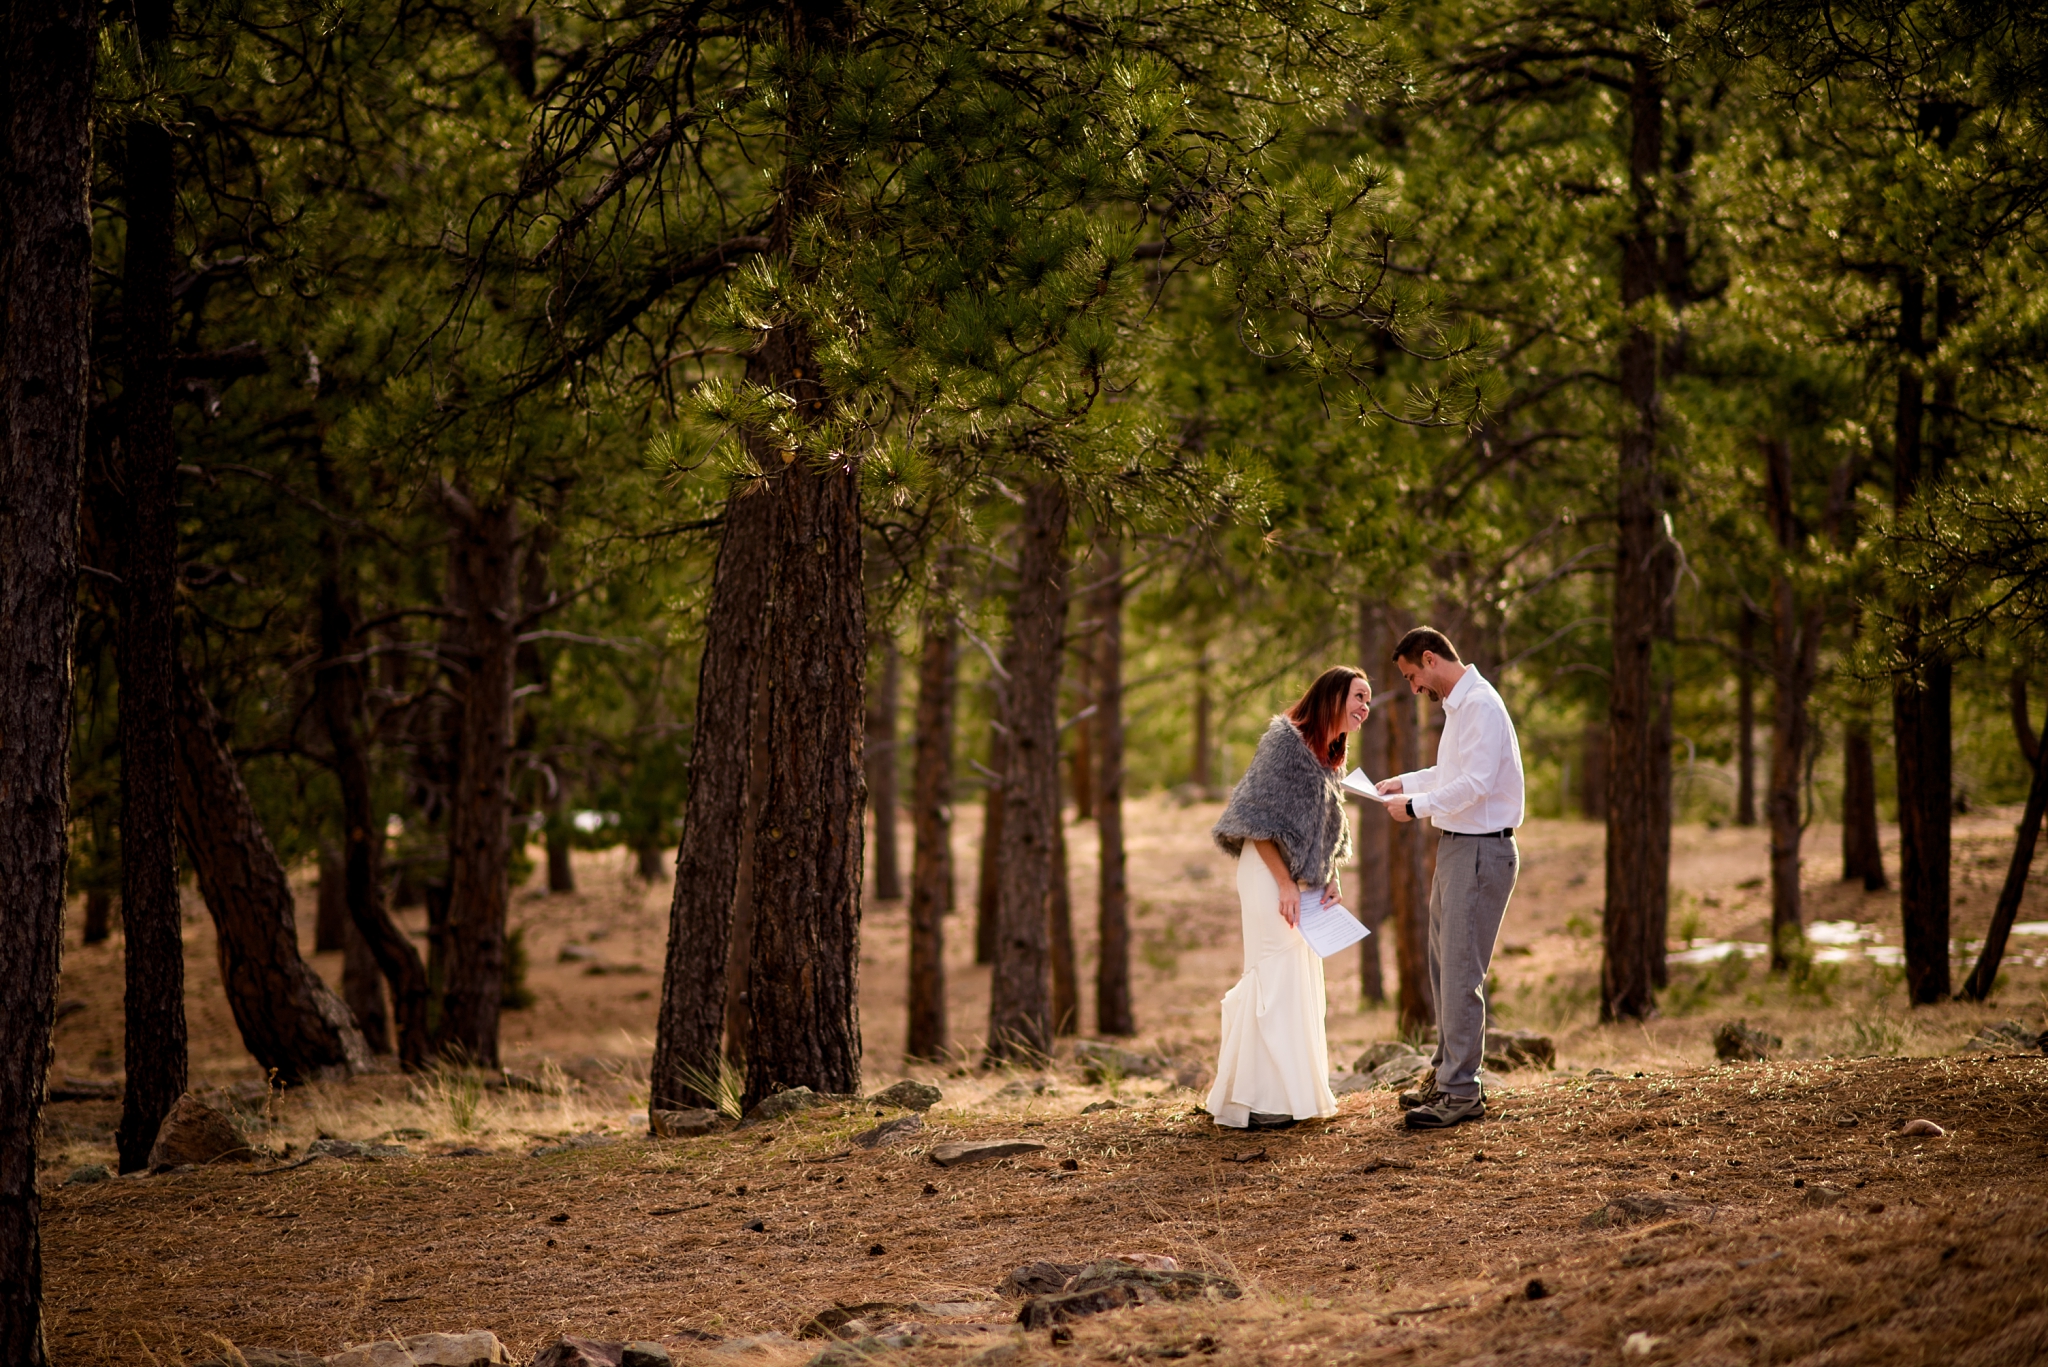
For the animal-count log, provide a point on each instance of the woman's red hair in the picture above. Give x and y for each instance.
(1320, 714)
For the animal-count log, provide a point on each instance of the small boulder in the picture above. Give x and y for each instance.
(679, 1124)
(196, 1133)
(953, 1155)
(1824, 1194)
(335, 1148)
(1635, 1208)
(568, 1351)
(794, 1101)
(1344, 1084)
(850, 1321)
(1507, 1050)
(1383, 1052)
(1397, 1073)
(87, 1175)
(1096, 1107)
(1112, 1284)
(909, 1095)
(477, 1348)
(1101, 1062)
(1039, 1279)
(2009, 1036)
(862, 1352)
(896, 1131)
(646, 1353)
(1736, 1042)
(1922, 1129)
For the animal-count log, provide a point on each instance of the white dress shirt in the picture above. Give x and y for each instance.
(1475, 787)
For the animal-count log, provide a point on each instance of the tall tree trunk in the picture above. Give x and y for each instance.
(290, 1021)
(990, 861)
(484, 574)
(1113, 1014)
(330, 913)
(1020, 1023)
(1373, 897)
(1593, 771)
(362, 989)
(46, 90)
(1199, 772)
(338, 695)
(1082, 763)
(1862, 852)
(1407, 883)
(931, 821)
(1795, 645)
(561, 864)
(1059, 929)
(1637, 824)
(716, 830)
(1977, 987)
(1920, 702)
(883, 705)
(99, 916)
(146, 643)
(1745, 718)
(803, 978)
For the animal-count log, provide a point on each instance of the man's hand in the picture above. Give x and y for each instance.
(1398, 810)
(1388, 785)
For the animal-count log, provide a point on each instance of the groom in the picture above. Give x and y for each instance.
(1473, 796)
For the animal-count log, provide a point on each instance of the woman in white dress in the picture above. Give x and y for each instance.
(1286, 828)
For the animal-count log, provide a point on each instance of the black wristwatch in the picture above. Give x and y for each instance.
(1411, 808)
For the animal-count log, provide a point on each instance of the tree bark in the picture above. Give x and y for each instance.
(1059, 929)
(1795, 645)
(99, 916)
(46, 92)
(715, 821)
(146, 640)
(989, 862)
(483, 568)
(1920, 702)
(362, 989)
(1113, 1013)
(1638, 826)
(883, 704)
(803, 976)
(1977, 987)
(1407, 881)
(1373, 897)
(290, 1021)
(931, 820)
(739, 955)
(1020, 1022)
(338, 695)
(1082, 764)
(561, 864)
(331, 907)
(1745, 718)
(1593, 771)
(1862, 852)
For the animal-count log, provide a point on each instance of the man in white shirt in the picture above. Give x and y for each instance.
(1473, 795)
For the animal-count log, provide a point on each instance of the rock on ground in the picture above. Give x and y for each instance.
(909, 1095)
(1100, 1062)
(1635, 1208)
(1507, 1050)
(786, 1103)
(477, 1348)
(568, 1351)
(953, 1155)
(1736, 1042)
(196, 1133)
(87, 1175)
(894, 1132)
(1112, 1284)
(678, 1124)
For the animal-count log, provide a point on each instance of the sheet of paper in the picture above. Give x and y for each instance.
(1327, 926)
(1358, 783)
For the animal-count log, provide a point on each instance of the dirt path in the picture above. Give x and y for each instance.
(1936, 1252)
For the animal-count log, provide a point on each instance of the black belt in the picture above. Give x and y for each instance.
(1508, 834)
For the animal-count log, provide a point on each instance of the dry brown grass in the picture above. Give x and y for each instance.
(343, 1251)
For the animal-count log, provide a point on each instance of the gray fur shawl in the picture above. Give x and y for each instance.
(1288, 798)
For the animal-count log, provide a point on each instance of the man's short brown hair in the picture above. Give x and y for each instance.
(1430, 639)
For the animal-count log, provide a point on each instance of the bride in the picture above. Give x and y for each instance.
(1286, 828)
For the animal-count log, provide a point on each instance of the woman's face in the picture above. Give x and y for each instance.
(1358, 706)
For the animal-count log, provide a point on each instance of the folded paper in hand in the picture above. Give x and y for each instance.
(1326, 925)
(1358, 783)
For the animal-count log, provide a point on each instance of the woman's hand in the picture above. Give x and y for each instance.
(1290, 895)
(1290, 904)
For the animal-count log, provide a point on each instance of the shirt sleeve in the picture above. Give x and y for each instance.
(1482, 750)
(1417, 781)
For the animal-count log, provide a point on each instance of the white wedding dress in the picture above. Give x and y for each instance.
(1275, 1058)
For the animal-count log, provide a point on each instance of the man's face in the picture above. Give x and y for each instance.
(1421, 674)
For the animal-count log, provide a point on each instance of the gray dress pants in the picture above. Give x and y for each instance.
(1475, 876)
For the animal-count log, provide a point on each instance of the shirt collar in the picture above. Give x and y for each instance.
(1465, 686)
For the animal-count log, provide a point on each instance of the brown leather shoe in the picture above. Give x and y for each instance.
(1445, 1112)
(1425, 1094)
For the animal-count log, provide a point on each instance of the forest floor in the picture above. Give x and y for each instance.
(1936, 1250)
